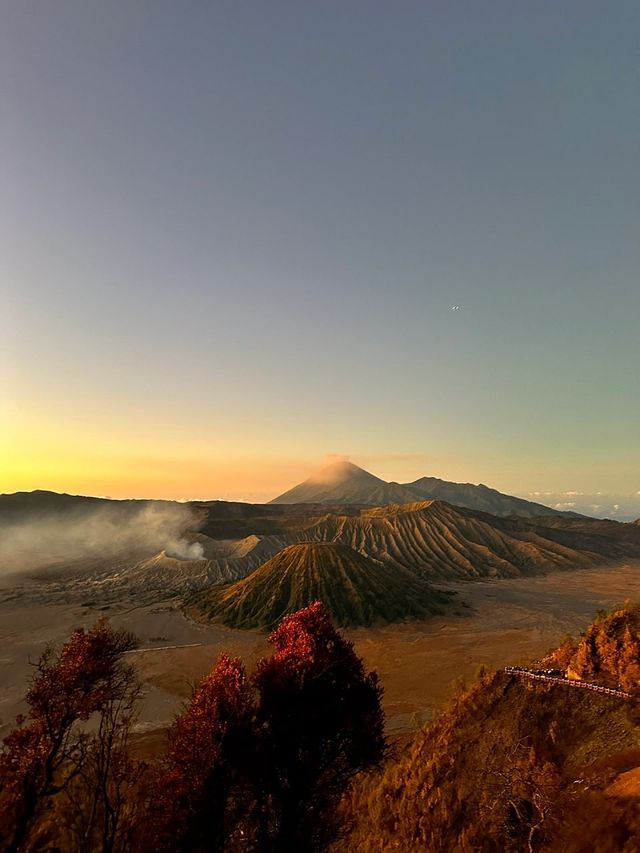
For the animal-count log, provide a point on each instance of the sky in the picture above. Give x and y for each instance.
(232, 235)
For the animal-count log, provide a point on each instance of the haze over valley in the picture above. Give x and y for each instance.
(446, 531)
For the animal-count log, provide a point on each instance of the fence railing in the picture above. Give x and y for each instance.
(536, 675)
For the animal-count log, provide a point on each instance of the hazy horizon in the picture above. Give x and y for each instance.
(233, 238)
(623, 507)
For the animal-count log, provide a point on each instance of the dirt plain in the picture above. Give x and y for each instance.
(419, 663)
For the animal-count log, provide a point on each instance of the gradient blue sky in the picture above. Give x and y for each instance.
(232, 234)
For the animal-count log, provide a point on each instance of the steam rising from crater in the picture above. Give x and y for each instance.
(112, 530)
(183, 550)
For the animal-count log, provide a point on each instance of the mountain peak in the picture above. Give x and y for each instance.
(342, 482)
(341, 471)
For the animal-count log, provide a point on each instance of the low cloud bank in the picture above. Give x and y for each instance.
(597, 504)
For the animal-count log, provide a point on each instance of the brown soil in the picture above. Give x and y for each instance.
(512, 621)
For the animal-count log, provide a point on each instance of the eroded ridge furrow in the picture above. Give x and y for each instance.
(357, 590)
(428, 538)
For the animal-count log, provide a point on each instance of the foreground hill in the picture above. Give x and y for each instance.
(345, 483)
(356, 590)
(510, 765)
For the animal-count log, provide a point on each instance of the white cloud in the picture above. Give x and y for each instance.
(565, 505)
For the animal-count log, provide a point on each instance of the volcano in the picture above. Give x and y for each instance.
(355, 589)
(344, 483)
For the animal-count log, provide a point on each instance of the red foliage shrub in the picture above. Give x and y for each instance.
(261, 764)
(201, 784)
(321, 722)
(40, 757)
(254, 763)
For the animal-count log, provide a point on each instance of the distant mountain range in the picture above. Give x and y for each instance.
(378, 564)
(433, 539)
(346, 483)
(88, 549)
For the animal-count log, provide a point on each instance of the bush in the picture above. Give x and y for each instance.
(253, 763)
(262, 763)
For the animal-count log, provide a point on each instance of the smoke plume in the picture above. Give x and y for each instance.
(109, 531)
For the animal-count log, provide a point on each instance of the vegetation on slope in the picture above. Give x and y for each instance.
(607, 653)
(354, 589)
(490, 770)
(514, 765)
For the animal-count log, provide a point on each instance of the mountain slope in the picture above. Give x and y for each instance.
(516, 764)
(221, 561)
(130, 546)
(452, 543)
(355, 590)
(504, 741)
(479, 497)
(345, 483)
(429, 538)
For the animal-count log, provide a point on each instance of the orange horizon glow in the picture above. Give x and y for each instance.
(186, 458)
(167, 473)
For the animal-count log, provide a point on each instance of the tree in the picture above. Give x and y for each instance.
(48, 749)
(102, 804)
(519, 797)
(320, 722)
(254, 763)
(201, 787)
(261, 763)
